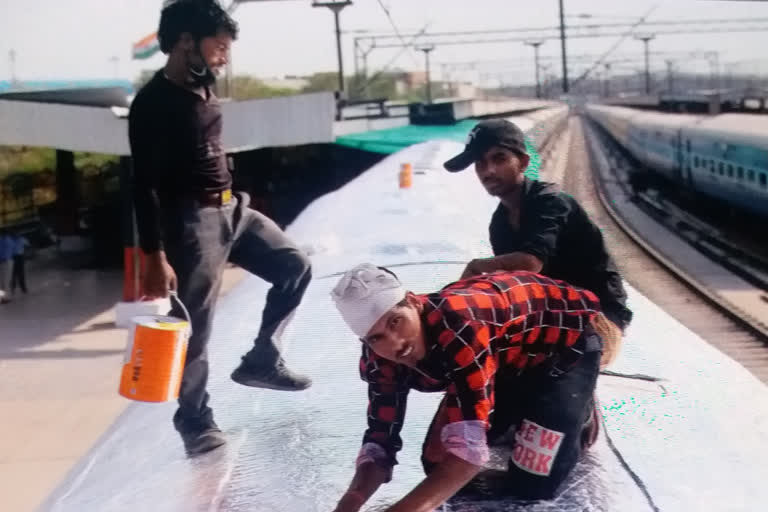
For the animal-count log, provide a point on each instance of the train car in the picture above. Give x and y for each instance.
(654, 139)
(616, 120)
(724, 157)
(695, 440)
(540, 125)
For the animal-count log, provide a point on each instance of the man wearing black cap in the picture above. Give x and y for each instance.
(537, 227)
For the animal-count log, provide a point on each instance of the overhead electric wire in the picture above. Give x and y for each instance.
(386, 67)
(616, 45)
(394, 27)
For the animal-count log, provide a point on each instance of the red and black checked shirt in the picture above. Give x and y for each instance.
(474, 328)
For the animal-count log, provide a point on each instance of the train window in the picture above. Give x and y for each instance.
(721, 168)
(763, 182)
(741, 173)
(751, 175)
(696, 161)
(730, 171)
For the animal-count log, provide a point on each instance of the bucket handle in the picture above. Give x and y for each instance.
(174, 295)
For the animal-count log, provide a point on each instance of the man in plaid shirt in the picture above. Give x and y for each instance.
(517, 358)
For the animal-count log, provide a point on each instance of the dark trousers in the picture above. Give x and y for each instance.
(542, 417)
(18, 274)
(199, 242)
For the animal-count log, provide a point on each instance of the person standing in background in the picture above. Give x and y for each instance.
(18, 275)
(6, 253)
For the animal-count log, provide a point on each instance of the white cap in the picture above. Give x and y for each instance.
(364, 294)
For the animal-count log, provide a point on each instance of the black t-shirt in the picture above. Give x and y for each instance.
(175, 138)
(556, 229)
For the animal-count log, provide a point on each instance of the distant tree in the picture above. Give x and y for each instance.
(327, 81)
(357, 86)
(245, 87)
(377, 86)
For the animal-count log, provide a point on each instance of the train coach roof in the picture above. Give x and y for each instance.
(746, 128)
(665, 120)
(693, 441)
(644, 117)
(622, 112)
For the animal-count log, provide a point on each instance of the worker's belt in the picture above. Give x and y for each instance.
(214, 198)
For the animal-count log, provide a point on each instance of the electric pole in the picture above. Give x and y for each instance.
(427, 49)
(670, 83)
(646, 38)
(536, 45)
(714, 66)
(12, 64)
(115, 60)
(336, 7)
(562, 47)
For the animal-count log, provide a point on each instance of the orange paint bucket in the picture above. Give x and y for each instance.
(154, 357)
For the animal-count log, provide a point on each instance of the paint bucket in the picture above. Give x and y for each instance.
(155, 356)
(406, 176)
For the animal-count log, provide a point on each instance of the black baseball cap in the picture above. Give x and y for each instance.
(485, 135)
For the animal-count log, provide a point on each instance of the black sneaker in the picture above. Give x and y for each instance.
(202, 441)
(275, 377)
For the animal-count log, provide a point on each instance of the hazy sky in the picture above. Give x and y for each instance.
(58, 39)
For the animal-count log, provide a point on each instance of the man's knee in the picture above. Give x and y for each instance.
(304, 264)
(537, 474)
(298, 268)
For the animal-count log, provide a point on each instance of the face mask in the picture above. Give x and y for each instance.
(200, 76)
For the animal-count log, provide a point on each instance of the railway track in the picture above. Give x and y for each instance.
(658, 278)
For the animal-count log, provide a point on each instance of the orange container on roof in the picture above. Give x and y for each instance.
(406, 175)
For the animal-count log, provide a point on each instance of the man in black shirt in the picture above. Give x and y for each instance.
(537, 227)
(191, 225)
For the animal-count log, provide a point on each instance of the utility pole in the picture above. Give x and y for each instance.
(336, 7)
(356, 52)
(670, 80)
(115, 60)
(427, 48)
(714, 67)
(562, 48)
(536, 45)
(646, 38)
(607, 79)
(361, 56)
(548, 79)
(12, 64)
